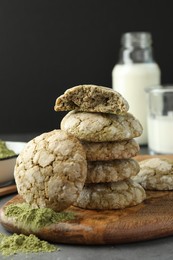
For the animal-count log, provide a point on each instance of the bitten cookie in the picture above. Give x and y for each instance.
(155, 174)
(111, 171)
(101, 127)
(92, 98)
(110, 150)
(107, 196)
(51, 170)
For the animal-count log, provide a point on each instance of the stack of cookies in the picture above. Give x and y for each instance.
(99, 118)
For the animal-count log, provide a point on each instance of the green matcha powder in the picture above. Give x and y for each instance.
(36, 218)
(31, 219)
(4, 151)
(10, 245)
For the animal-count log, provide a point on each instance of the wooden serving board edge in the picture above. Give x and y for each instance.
(151, 219)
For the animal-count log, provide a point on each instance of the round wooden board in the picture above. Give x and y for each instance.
(149, 220)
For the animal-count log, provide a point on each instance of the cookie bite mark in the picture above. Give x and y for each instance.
(92, 98)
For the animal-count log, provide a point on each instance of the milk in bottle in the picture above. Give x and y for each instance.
(135, 71)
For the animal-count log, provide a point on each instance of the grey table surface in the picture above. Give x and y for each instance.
(160, 249)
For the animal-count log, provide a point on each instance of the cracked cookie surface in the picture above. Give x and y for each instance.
(155, 174)
(51, 170)
(92, 98)
(111, 171)
(101, 127)
(107, 196)
(101, 151)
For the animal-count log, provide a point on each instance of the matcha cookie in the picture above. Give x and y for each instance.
(107, 196)
(51, 170)
(101, 127)
(110, 150)
(91, 98)
(111, 171)
(155, 174)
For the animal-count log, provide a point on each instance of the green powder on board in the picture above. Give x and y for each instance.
(10, 245)
(32, 218)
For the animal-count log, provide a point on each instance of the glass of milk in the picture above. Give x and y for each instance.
(160, 120)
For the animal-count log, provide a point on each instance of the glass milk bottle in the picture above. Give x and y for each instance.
(135, 71)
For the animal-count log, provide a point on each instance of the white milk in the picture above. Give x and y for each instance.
(131, 80)
(160, 134)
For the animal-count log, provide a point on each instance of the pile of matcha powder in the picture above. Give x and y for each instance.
(4, 151)
(31, 219)
(10, 245)
(35, 218)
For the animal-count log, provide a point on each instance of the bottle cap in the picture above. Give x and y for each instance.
(136, 39)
